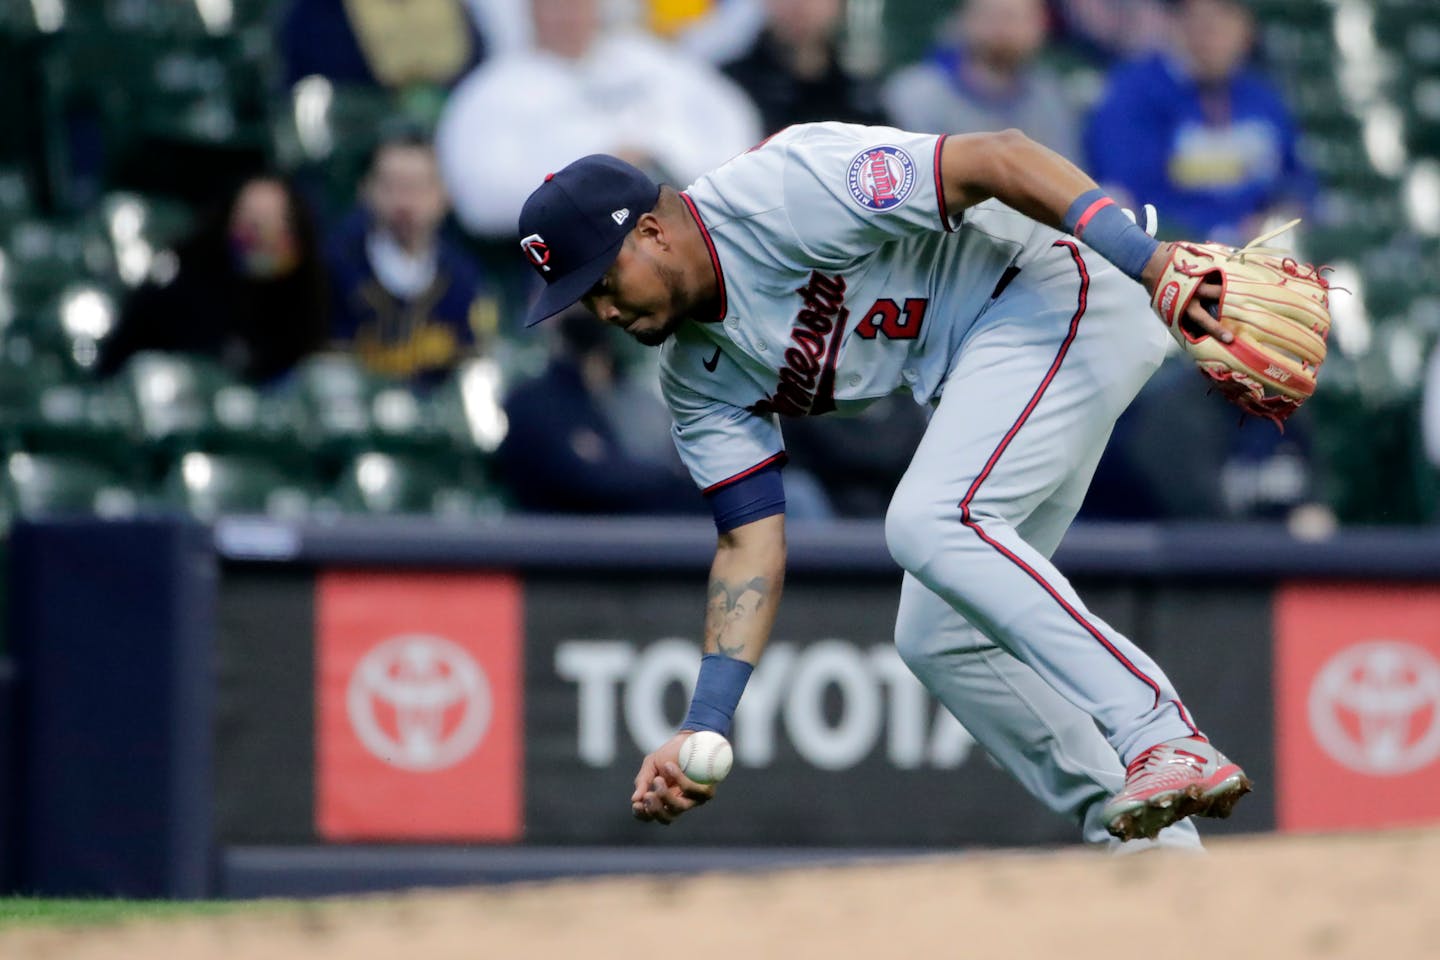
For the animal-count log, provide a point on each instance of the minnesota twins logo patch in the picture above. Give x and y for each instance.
(881, 178)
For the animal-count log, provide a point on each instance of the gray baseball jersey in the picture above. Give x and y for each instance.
(841, 281)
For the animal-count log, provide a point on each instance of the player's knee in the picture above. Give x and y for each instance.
(910, 529)
(912, 643)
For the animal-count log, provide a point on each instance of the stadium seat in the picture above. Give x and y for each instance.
(71, 324)
(1315, 14)
(16, 17)
(172, 394)
(1384, 485)
(90, 419)
(1299, 46)
(380, 483)
(45, 256)
(1338, 159)
(150, 110)
(1405, 26)
(7, 514)
(139, 228)
(208, 485)
(333, 398)
(16, 201)
(1422, 116)
(182, 402)
(326, 133)
(468, 406)
(48, 484)
(24, 379)
(1349, 221)
(1397, 275)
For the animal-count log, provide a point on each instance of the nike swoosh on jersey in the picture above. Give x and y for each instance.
(713, 362)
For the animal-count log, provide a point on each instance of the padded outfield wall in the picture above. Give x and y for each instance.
(265, 708)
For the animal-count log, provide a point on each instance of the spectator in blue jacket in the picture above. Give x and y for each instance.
(1199, 132)
(406, 299)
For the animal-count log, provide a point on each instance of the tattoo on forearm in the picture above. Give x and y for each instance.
(729, 607)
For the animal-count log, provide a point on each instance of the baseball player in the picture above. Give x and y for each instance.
(834, 264)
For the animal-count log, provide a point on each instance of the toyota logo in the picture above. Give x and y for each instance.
(419, 702)
(1375, 708)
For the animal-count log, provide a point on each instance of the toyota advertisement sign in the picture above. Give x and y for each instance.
(418, 694)
(363, 706)
(832, 730)
(1357, 706)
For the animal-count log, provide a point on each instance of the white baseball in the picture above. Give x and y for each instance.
(706, 757)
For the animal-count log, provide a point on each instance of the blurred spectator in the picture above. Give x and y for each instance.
(983, 76)
(1199, 132)
(1178, 453)
(506, 25)
(793, 71)
(582, 439)
(857, 460)
(383, 43)
(1107, 30)
(247, 289)
(582, 90)
(720, 33)
(405, 297)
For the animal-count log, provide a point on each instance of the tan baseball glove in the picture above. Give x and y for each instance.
(1277, 309)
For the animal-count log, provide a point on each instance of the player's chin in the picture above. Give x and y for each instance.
(655, 336)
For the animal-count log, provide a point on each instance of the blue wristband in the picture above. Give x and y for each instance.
(1096, 219)
(717, 693)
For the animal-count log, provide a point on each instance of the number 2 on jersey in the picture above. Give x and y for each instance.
(894, 321)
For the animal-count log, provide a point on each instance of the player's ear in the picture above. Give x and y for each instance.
(651, 227)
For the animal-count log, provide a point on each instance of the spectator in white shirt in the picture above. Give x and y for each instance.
(582, 89)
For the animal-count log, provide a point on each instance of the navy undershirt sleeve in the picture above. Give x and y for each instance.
(760, 495)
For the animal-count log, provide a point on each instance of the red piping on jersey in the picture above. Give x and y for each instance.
(1090, 212)
(940, 184)
(714, 257)
(778, 458)
(974, 525)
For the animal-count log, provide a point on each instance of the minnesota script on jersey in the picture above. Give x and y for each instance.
(841, 279)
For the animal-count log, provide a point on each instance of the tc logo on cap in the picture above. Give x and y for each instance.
(537, 250)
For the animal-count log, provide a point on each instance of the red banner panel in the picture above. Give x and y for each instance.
(419, 706)
(1357, 721)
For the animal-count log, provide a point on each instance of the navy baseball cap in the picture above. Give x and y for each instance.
(573, 225)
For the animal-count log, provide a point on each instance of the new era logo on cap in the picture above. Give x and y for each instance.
(575, 223)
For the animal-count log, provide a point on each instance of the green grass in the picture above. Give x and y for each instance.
(35, 910)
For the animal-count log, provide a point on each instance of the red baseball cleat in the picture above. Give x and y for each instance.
(1171, 781)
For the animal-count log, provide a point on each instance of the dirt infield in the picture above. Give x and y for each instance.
(1374, 896)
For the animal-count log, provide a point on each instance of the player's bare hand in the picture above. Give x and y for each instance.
(1198, 313)
(1207, 295)
(662, 792)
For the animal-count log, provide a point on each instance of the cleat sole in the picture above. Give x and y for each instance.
(1148, 819)
(1220, 802)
